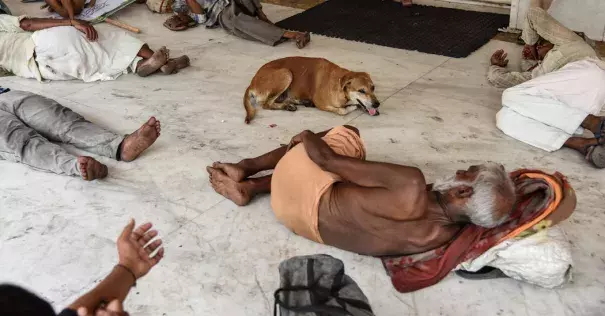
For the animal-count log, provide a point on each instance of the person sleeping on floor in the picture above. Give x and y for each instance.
(64, 49)
(323, 189)
(550, 105)
(242, 18)
(31, 126)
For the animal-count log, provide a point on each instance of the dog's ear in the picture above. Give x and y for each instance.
(346, 80)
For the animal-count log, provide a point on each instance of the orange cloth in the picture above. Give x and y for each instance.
(298, 183)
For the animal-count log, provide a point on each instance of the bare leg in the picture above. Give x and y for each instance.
(151, 63)
(593, 123)
(195, 7)
(302, 39)
(145, 52)
(580, 144)
(251, 166)
(239, 192)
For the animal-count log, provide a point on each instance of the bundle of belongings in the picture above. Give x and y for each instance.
(527, 247)
(317, 285)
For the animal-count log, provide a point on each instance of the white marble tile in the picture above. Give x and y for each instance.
(225, 263)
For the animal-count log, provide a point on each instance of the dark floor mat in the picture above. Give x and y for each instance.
(442, 31)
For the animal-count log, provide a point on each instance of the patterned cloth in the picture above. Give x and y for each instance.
(568, 47)
(212, 9)
(539, 197)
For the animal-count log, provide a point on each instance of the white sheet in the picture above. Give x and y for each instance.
(64, 53)
(543, 259)
(544, 112)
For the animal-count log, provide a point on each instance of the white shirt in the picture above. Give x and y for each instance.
(17, 48)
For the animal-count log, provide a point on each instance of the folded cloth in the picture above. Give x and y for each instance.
(298, 183)
(543, 200)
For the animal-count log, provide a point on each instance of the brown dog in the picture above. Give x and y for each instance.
(285, 83)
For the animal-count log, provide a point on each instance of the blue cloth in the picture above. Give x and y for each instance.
(3, 90)
(212, 9)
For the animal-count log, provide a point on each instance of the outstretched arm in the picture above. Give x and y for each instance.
(36, 24)
(134, 263)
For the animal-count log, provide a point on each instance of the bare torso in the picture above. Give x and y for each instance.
(349, 224)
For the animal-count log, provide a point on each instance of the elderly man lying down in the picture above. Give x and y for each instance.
(55, 49)
(324, 190)
(560, 97)
(31, 125)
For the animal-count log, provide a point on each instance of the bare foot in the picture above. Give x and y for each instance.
(303, 39)
(175, 64)
(136, 143)
(151, 65)
(232, 170)
(91, 169)
(225, 186)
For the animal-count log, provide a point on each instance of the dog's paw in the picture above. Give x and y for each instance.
(291, 108)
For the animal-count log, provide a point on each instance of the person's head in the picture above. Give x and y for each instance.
(16, 301)
(483, 195)
(359, 89)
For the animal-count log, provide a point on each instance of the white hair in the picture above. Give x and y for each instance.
(493, 195)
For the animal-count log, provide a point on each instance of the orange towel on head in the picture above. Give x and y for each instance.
(298, 183)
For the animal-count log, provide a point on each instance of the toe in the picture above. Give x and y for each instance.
(151, 121)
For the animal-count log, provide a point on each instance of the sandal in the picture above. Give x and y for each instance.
(179, 23)
(595, 154)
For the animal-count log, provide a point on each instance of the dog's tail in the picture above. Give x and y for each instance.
(250, 109)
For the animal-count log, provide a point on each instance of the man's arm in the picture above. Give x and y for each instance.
(375, 182)
(36, 24)
(134, 263)
(500, 77)
(363, 173)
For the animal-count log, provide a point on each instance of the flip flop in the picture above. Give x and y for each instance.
(484, 273)
(595, 154)
(177, 23)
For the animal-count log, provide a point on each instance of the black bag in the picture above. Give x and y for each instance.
(316, 285)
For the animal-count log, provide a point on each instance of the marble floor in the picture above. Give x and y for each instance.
(57, 234)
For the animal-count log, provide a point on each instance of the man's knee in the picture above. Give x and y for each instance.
(536, 13)
(354, 129)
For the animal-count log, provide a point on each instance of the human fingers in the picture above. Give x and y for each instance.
(140, 231)
(127, 230)
(153, 246)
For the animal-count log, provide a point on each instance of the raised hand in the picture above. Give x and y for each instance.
(134, 252)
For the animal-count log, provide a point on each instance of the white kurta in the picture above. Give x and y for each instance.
(64, 53)
(546, 111)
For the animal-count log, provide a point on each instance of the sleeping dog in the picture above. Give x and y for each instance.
(285, 83)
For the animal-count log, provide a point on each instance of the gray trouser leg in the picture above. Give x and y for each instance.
(60, 124)
(20, 143)
(248, 27)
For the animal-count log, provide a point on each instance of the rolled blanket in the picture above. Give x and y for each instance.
(543, 200)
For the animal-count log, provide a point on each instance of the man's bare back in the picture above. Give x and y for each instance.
(345, 224)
